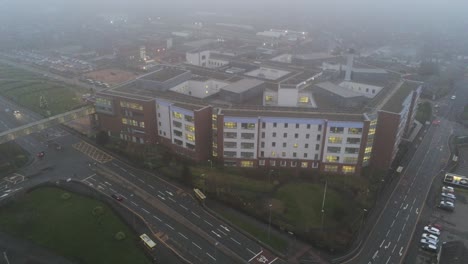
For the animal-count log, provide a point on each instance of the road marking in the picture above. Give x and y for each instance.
(131, 174)
(273, 260)
(157, 218)
(399, 236)
(115, 165)
(411, 209)
(162, 198)
(407, 217)
(397, 214)
(417, 211)
(141, 180)
(182, 235)
(261, 251)
(388, 259)
(389, 243)
(388, 232)
(218, 235)
(92, 175)
(414, 200)
(405, 197)
(195, 214)
(112, 190)
(210, 256)
(170, 226)
(196, 245)
(108, 183)
(250, 251)
(172, 199)
(123, 169)
(381, 244)
(161, 193)
(406, 206)
(401, 253)
(6, 257)
(151, 186)
(235, 241)
(394, 248)
(146, 211)
(409, 189)
(221, 231)
(134, 203)
(183, 207)
(375, 254)
(403, 227)
(401, 205)
(393, 223)
(208, 222)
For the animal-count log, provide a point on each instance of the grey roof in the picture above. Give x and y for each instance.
(338, 90)
(395, 102)
(242, 85)
(163, 74)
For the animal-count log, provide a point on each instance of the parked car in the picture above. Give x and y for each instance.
(40, 154)
(436, 225)
(117, 197)
(428, 241)
(429, 247)
(449, 206)
(432, 230)
(453, 97)
(436, 122)
(448, 195)
(428, 236)
(448, 189)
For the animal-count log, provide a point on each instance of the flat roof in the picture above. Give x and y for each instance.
(338, 90)
(395, 102)
(163, 74)
(242, 85)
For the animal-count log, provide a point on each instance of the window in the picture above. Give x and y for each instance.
(319, 128)
(273, 153)
(274, 124)
(214, 118)
(272, 163)
(190, 146)
(159, 123)
(283, 163)
(230, 125)
(283, 154)
(262, 144)
(351, 150)
(247, 155)
(335, 140)
(308, 126)
(368, 150)
(294, 154)
(273, 144)
(142, 124)
(230, 154)
(348, 169)
(263, 124)
(247, 145)
(356, 131)
(159, 114)
(296, 135)
(189, 128)
(333, 149)
(103, 101)
(284, 144)
(274, 134)
(285, 125)
(318, 137)
(317, 147)
(246, 164)
(268, 98)
(306, 146)
(230, 134)
(177, 115)
(305, 155)
(297, 125)
(131, 105)
(307, 136)
(190, 137)
(353, 140)
(332, 158)
(331, 168)
(261, 162)
(228, 144)
(303, 99)
(263, 134)
(304, 164)
(248, 125)
(350, 160)
(262, 154)
(177, 133)
(247, 135)
(124, 121)
(316, 157)
(295, 145)
(293, 164)
(178, 142)
(285, 135)
(337, 130)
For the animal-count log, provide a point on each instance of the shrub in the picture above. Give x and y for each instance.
(120, 236)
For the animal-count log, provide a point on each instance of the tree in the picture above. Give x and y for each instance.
(428, 68)
(187, 176)
(102, 138)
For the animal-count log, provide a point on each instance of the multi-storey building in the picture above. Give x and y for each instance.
(208, 115)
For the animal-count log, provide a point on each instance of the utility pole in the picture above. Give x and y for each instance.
(269, 222)
(323, 203)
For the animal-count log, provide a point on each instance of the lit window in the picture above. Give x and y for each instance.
(261, 162)
(190, 137)
(273, 153)
(371, 131)
(189, 118)
(331, 168)
(348, 169)
(337, 130)
(214, 117)
(295, 145)
(215, 153)
(356, 131)
(177, 115)
(268, 98)
(335, 140)
(124, 121)
(230, 125)
(303, 99)
(368, 150)
(331, 158)
(142, 124)
(189, 128)
(246, 163)
(304, 164)
(350, 160)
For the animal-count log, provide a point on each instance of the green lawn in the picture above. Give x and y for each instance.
(12, 157)
(69, 227)
(275, 242)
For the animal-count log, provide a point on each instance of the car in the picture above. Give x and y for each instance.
(16, 112)
(430, 237)
(448, 195)
(448, 189)
(448, 206)
(428, 242)
(117, 197)
(445, 199)
(453, 97)
(438, 226)
(432, 230)
(464, 181)
(436, 122)
(429, 247)
(40, 154)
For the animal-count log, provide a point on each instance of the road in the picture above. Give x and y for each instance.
(389, 239)
(176, 217)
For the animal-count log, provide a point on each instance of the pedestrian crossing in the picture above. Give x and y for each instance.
(93, 152)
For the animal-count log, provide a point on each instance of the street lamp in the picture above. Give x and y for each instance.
(269, 176)
(269, 222)
(215, 248)
(364, 210)
(323, 203)
(211, 163)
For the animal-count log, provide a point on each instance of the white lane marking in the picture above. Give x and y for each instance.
(208, 222)
(273, 260)
(251, 251)
(193, 243)
(131, 174)
(134, 203)
(401, 205)
(389, 243)
(183, 207)
(409, 189)
(157, 218)
(403, 227)
(407, 217)
(399, 236)
(146, 211)
(151, 186)
(405, 197)
(108, 183)
(261, 251)
(182, 235)
(123, 169)
(414, 200)
(162, 198)
(393, 223)
(112, 190)
(411, 209)
(397, 214)
(406, 206)
(235, 241)
(90, 176)
(195, 215)
(219, 230)
(388, 259)
(170, 226)
(93, 179)
(172, 199)
(168, 192)
(381, 244)
(210, 256)
(115, 165)
(417, 212)
(375, 254)
(401, 253)
(225, 228)
(141, 180)
(161, 193)
(388, 232)
(218, 235)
